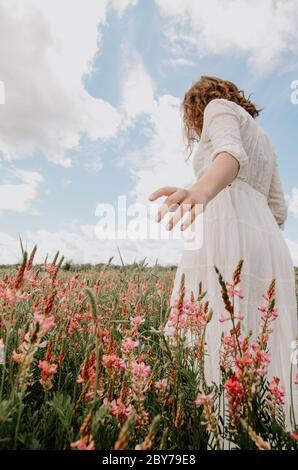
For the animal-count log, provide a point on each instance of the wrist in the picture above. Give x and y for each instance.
(205, 195)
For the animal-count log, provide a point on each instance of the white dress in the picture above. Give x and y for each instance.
(243, 221)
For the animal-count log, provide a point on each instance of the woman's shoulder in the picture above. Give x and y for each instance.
(222, 105)
(219, 108)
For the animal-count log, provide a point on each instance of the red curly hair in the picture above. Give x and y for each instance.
(198, 96)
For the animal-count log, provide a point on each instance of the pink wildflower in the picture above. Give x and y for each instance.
(234, 292)
(278, 393)
(244, 361)
(203, 399)
(47, 369)
(112, 360)
(141, 369)
(138, 320)
(47, 372)
(45, 323)
(128, 345)
(119, 409)
(83, 444)
(161, 385)
(262, 308)
(234, 387)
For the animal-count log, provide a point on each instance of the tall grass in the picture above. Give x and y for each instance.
(85, 363)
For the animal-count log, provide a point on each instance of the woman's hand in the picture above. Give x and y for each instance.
(218, 175)
(180, 201)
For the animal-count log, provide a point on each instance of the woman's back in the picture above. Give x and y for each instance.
(229, 127)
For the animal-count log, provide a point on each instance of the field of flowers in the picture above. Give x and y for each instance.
(85, 363)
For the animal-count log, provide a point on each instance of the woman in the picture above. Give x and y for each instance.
(244, 212)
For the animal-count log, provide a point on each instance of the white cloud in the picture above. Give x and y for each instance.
(81, 246)
(137, 87)
(259, 30)
(18, 196)
(293, 247)
(46, 49)
(161, 160)
(292, 201)
(180, 61)
(9, 249)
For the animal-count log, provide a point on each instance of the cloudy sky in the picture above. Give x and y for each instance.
(90, 94)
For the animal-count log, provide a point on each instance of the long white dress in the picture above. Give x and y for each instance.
(244, 221)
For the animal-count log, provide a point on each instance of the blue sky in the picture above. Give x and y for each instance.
(91, 110)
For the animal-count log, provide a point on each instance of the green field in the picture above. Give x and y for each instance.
(85, 364)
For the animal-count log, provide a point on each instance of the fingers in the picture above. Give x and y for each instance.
(170, 204)
(195, 210)
(164, 191)
(179, 213)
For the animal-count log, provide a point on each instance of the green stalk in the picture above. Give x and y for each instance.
(291, 394)
(20, 409)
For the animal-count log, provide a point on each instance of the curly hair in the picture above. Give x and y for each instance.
(200, 94)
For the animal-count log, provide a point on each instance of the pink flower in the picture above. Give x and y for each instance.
(83, 444)
(119, 409)
(262, 308)
(232, 291)
(263, 357)
(204, 399)
(274, 312)
(17, 358)
(138, 320)
(161, 385)
(277, 393)
(234, 387)
(294, 435)
(128, 345)
(112, 360)
(187, 305)
(47, 372)
(46, 323)
(47, 369)
(141, 369)
(296, 379)
(243, 361)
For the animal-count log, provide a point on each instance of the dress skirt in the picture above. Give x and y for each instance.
(238, 224)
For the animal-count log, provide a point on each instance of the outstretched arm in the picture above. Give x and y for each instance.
(220, 173)
(228, 160)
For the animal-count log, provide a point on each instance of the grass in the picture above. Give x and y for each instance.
(87, 366)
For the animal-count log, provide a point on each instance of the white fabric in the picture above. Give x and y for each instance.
(243, 222)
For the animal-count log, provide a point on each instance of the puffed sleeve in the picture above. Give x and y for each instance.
(276, 198)
(221, 123)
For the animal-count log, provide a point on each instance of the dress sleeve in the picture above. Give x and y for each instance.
(276, 199)
(221, 124)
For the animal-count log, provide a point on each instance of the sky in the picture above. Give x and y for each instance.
(90, 112)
